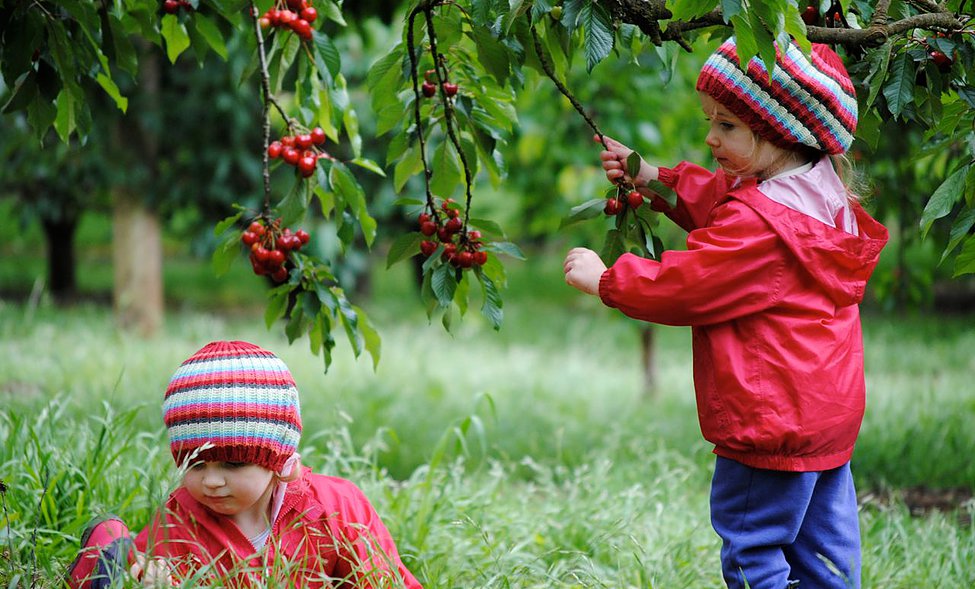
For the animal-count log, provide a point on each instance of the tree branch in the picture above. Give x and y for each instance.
(648, 14)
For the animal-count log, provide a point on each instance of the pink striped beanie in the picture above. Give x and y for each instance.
(233, 401)
(807, 101)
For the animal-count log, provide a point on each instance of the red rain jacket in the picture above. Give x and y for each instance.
(771, 295)
(326, 531)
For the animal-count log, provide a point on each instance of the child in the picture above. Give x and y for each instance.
(247, 513)
(778, 255)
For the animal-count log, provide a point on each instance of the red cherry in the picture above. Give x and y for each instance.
(260, 252)
(429, 89)
(453, 225)
(428, 247)
(423, 218)
(613, 206)
(288, 141)
(286, 17)
(303, 141)
(291, 155)
(480, 258)
(248, 238)
(810, 15)
(317, 136)
(453, 213)
(309, 14)
(428, 228)
(464, 259)
(274, 150)
(445, 205)
(428, 75)
(474, 234)
(449, 250)
(280, 275)
(444, 235)
(257, 266)
(302, 28)
(265, 23)
(303, 236)
(307, 165)
(941, 60)
(449, 89)
(275, 257)
(256, 228)
(634, 199)
(170, 6)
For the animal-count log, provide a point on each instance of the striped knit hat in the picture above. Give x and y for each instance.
(808, 101)
(237, 398)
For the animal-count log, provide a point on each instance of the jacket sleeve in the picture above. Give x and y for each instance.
(732, 268)
(368, 556)
(697, 190)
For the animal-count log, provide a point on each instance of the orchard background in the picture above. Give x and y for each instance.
(174, 172)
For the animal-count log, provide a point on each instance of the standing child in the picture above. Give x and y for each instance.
(247, 513)
(778, 255)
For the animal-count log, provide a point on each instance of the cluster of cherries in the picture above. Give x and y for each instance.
(173, 6)
(300, 150)
(616, 204)
(429, 86)
(464, 252)
(270, 245)
(296, 15)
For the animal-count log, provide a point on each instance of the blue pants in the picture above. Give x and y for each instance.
(779, 527)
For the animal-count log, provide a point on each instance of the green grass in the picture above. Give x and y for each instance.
(525, 458)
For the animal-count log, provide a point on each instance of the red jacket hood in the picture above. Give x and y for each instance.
(840, 262)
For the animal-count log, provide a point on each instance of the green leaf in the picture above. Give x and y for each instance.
(370, 337)
(328, 52)
(446, 170)
(633, 164)
(505, 247)
(409, 165)
(227, 223)
(688, 9)
(369, 165)
(730, 9)
(587, 210)
(405, 246)
(276, 304)
(351, 121)
(599, 33)
(443, 284)
(225, 254)
(296, 324)
(177, 40)
(491, 54)
(899, 90)
(211, 33)
(109, 86)
(965, 262)
(960, 229)
(333, 12)
(487, 226)
(613, 247)
(943, 199)
(492, 306)
(350, 320)
(66, 121)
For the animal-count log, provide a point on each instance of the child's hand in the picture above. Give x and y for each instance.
(614, 163)
(152, 573)
(583, 269)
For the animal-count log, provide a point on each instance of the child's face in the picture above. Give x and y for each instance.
(230, 488)
(733, 144)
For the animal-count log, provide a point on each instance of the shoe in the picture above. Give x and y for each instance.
(104, 554)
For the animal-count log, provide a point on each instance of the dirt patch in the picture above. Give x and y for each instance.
(923, 500)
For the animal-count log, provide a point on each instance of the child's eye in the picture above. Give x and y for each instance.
(727, 126)
(197, 466)
(235, 464)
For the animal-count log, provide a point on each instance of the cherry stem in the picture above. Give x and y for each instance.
(417, 98)
(449, 111)
(550, 72)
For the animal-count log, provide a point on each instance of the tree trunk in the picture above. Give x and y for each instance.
(59, 235)
(649, 364)
(137, 257)
(137, 234)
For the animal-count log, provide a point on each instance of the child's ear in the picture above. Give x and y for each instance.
(288, 475)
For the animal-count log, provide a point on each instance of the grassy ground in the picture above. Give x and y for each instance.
(526, 458)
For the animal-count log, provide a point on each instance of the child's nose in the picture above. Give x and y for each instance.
(711, 140)
(213, 479)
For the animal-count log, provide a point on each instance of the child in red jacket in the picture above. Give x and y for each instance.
(247, 514)
(778, 255)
